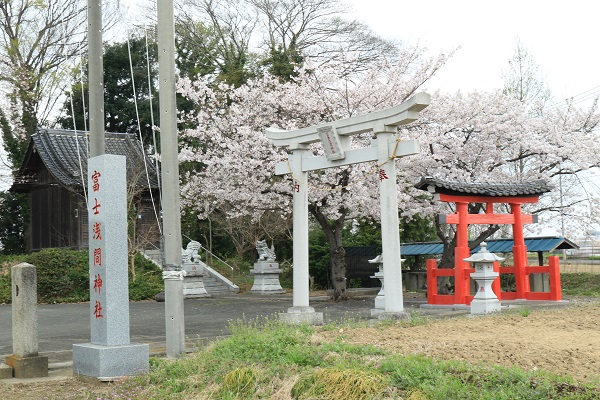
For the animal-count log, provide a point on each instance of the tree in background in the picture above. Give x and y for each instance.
(214, 37)
(219, 32)
(239, 160)
(38, 39)
(121, 107)
(482, 137)
(522, 80)
(467, 137)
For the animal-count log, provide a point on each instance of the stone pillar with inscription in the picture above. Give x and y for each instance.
(25, 362)
(110, 354)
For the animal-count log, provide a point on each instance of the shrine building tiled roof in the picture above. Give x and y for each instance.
(63, 154)
(523, 189)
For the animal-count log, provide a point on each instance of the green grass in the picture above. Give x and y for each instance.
(581, 284)
(265, 358)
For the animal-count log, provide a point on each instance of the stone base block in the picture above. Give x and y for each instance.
(301, 315)
(380, 301)
(485, 306)
(394, 315)
(375, 312)
(195, 293)
(6, 372)
(28, 367)
(110, 362)
(266, 283)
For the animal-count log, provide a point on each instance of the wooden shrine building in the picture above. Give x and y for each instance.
(515, 195)
(54, 167)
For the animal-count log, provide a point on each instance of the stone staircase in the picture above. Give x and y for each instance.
(214, 283)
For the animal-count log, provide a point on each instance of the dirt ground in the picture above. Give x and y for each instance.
(563, 341)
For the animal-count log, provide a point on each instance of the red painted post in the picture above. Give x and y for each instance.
(496, 285)
(461, 279)
(432, 287)
(554, 275)
(519, 253)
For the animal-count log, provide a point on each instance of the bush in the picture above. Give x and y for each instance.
(148, 282)
(580, 284)
(63, 276)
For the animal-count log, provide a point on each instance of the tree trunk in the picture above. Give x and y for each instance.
(337, 254)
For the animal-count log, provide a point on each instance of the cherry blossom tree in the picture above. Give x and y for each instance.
(469, 137)
(493, 137)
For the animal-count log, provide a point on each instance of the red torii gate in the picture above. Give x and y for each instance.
(489, 194)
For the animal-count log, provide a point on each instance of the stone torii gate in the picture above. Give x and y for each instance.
(335, 137)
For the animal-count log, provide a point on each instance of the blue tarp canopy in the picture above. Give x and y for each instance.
(535, 244)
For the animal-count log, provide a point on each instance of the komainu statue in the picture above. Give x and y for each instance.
(264, 252)
(190, 254)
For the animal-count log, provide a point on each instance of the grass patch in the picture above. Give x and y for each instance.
(580, 284)
(524, 311)
(266, 359)
(442, 380)
(339, 384)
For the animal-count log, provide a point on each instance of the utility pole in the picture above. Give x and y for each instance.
(96, 78)
(172, 271)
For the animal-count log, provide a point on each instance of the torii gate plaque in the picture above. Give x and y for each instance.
(335, 137)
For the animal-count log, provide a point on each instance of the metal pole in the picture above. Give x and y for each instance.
(96, 78)
(174, 315)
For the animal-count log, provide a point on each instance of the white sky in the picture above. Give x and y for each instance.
(562, 37)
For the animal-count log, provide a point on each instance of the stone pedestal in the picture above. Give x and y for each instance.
(193, 282)
(380, 298)
(394, 315)
(6, 372)
(110, 362)
(28, 367)
(301, 315)
(539, 282)
(266, 278)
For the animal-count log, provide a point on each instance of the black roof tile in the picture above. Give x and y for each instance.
(64, 153)
(533, 188)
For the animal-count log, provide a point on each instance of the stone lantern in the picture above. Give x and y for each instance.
(485, 300)
(380, 298)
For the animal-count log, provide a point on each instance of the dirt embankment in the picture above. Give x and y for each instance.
(563, 341)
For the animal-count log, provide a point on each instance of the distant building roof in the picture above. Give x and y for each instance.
(64, 154)
(534, 244)
(435, 185)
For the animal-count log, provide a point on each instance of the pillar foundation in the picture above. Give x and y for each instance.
(108, 363)
(301, 315)
(28, 367)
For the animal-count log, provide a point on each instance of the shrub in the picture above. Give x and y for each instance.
(148, 282)
(63, 276)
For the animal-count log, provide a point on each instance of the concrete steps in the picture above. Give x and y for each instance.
(214, 283)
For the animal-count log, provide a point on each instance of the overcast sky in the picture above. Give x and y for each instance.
(563, 38)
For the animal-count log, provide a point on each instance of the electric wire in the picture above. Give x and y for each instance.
(137, 114)
(152, 124)
(83, 182)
